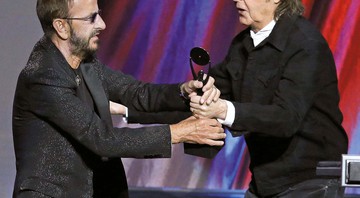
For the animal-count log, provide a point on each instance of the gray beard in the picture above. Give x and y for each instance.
(80, 47)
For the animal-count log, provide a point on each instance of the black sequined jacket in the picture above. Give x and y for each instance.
(64, 148)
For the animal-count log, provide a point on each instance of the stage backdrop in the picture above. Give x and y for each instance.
(151, 40)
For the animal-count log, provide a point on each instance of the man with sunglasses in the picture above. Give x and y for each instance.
(65, 143)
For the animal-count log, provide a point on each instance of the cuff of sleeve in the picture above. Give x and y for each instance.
(185, 96)
(230, 114)
(125, 117)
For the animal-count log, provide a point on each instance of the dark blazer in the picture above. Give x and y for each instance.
(286, 102)
(64, 148)
(163, 117)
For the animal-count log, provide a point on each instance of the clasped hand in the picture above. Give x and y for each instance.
(205, 108)
(208, 105)
(211, 93)
(216, 109)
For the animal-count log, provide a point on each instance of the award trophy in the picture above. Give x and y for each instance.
(200, 57)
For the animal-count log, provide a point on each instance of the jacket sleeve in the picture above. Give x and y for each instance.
(307, 74)
(142, 96)
(50, 96)
(163, 117)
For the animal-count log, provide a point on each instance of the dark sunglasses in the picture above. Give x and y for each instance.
(90, 18)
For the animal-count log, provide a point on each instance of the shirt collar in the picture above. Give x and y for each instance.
(261, 35)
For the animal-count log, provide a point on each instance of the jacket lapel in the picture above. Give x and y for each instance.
(97, 92)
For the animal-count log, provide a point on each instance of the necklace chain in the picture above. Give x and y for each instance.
(77, 77)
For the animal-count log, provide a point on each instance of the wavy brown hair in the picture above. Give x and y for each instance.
(289, 7)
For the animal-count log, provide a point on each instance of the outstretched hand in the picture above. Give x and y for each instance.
(200, 131)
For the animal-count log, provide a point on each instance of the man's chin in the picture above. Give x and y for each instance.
(90, 52)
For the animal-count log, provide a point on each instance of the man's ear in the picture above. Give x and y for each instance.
(61, 28)
(277, 1)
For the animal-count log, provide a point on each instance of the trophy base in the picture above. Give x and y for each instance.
(200, 150)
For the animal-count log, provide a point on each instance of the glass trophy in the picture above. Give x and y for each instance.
(200, 57)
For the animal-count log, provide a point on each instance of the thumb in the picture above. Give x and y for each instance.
(197, 84)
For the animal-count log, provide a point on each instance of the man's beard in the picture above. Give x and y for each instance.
(81, 46)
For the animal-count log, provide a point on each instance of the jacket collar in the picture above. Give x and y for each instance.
(91, 79)
(97, 91)
(281, 31)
